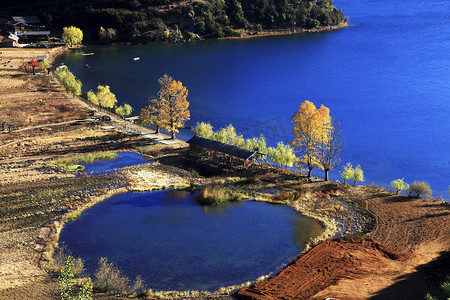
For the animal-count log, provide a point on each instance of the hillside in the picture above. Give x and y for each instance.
(141, 21)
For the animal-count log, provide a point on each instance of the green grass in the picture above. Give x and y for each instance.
(216, 194)
(72, 163)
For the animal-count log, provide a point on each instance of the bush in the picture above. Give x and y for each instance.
(399, 185)
(66, 283)
(445, 288)
(418, 188)
(108, 278)
(215, 194)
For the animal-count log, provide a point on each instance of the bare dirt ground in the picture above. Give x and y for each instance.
(399, 247)
(407, 256)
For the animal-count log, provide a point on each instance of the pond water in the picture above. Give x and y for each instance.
(385, 78)
(124, 159)
(176, 244)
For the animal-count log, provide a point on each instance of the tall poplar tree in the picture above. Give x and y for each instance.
(310, 127)
(330, 147)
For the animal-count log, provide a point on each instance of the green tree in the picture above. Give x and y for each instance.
(92, 97)
(66, 283)
(68, 80)
(347, 172)
(72, 35)
(204, 130)
(357, 175)
(105, 97)
(282, 155)
(399, 185)
(107, 35)
(418, 188)
(124, 110)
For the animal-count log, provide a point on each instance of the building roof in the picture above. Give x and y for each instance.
(36, 33)
(27, 19)
(221, 147)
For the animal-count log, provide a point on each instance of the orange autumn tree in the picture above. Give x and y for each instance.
(310, 128)
(170, 109)
(153, 113)
(175, 111)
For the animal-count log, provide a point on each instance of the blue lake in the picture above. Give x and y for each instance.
(176, 244)
(386, 79)
(124, 159)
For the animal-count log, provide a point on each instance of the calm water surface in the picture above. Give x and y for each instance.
(386, 78)
(123, 159)
(176, 244)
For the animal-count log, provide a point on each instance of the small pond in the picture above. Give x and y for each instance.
(124, 159)
(176, 244)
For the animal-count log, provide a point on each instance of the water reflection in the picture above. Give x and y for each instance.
(304, 231)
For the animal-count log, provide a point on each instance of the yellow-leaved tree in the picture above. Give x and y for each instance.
(176, 110)
(105, 97)
(310, 128)
(72, 35)
(170, 109)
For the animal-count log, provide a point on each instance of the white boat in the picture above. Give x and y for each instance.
(87, 54)
(136, 58)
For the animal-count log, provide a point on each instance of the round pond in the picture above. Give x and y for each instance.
(176, 244)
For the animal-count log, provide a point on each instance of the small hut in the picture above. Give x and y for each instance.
(198, 143)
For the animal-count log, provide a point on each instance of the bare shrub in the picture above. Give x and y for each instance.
(418, 188)
(108, 278)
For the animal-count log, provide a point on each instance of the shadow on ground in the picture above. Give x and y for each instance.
(427, 279)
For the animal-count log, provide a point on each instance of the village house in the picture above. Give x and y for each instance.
(28, 29)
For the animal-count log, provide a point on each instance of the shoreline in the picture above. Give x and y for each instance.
(273, 32)
(390, 212)
(290, 31)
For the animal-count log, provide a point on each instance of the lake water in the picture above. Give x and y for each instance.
(123, 159)
(176, 244)
(386, 79)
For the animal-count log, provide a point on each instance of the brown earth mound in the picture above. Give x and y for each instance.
(321, 267)
(417, 229)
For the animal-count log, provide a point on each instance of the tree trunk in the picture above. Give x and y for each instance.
(173, 135)
(326, 175)
(309, 173)
(157, 129)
